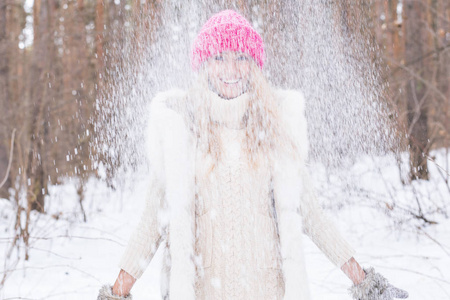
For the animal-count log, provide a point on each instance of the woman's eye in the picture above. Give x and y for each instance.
(242, 57)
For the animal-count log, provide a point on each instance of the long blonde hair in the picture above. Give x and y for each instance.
(261, 121)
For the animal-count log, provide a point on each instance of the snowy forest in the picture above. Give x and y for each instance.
(76, 79)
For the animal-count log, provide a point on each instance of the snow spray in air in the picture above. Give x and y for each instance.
(307, 45)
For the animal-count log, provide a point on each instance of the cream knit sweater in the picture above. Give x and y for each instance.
(237, 238)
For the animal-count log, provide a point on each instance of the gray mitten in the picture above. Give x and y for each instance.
(106, 293)
(376, 287)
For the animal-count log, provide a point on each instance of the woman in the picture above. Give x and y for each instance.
(230, 198)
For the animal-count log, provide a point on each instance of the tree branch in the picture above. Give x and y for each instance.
(418, 77)
(401, 67)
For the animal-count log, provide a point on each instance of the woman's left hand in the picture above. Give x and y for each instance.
(376, 287)
(106, 293)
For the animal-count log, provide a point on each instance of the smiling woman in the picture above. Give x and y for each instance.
(230, 196)
(229, 73)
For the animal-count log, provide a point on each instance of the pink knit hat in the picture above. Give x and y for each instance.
(224, 31)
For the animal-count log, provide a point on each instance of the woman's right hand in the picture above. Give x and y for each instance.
(106, 293)
(120, 290)
(123, 284)
(376, 287)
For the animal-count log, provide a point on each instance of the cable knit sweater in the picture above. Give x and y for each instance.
(237, 238)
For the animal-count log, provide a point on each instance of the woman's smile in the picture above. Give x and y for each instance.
(230, 81)
(229, 73)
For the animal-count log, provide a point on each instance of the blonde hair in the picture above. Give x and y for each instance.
(261, 121)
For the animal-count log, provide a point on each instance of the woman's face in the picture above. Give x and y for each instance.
(228, 73)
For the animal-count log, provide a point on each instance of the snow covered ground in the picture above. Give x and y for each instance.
(71, 259)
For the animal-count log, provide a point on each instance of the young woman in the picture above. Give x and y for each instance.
(230, 195)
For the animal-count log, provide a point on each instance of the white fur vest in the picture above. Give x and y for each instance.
(172, 148)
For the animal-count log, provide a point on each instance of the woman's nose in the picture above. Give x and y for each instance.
(231, 67)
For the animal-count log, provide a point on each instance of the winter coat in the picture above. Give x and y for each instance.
(233, 232)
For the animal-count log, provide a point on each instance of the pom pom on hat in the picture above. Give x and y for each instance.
(227, 31)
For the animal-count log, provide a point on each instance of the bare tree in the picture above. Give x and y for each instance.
(3, 90)
(416, 90)
(43, 52)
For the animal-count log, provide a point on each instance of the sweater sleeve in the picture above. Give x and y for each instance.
(320, 229)
(146, 237)
(315, 222)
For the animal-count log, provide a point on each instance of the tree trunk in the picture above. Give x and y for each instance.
(416, 90)
(441, 27)
(3, 53)
(99, 28)
(4, 97)
(39, 73)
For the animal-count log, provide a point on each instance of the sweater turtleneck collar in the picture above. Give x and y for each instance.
(228, 112)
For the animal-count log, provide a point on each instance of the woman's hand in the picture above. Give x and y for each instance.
(120, 290)
(106, 293)
(353, 271)
(123, 284)
(376, 287)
